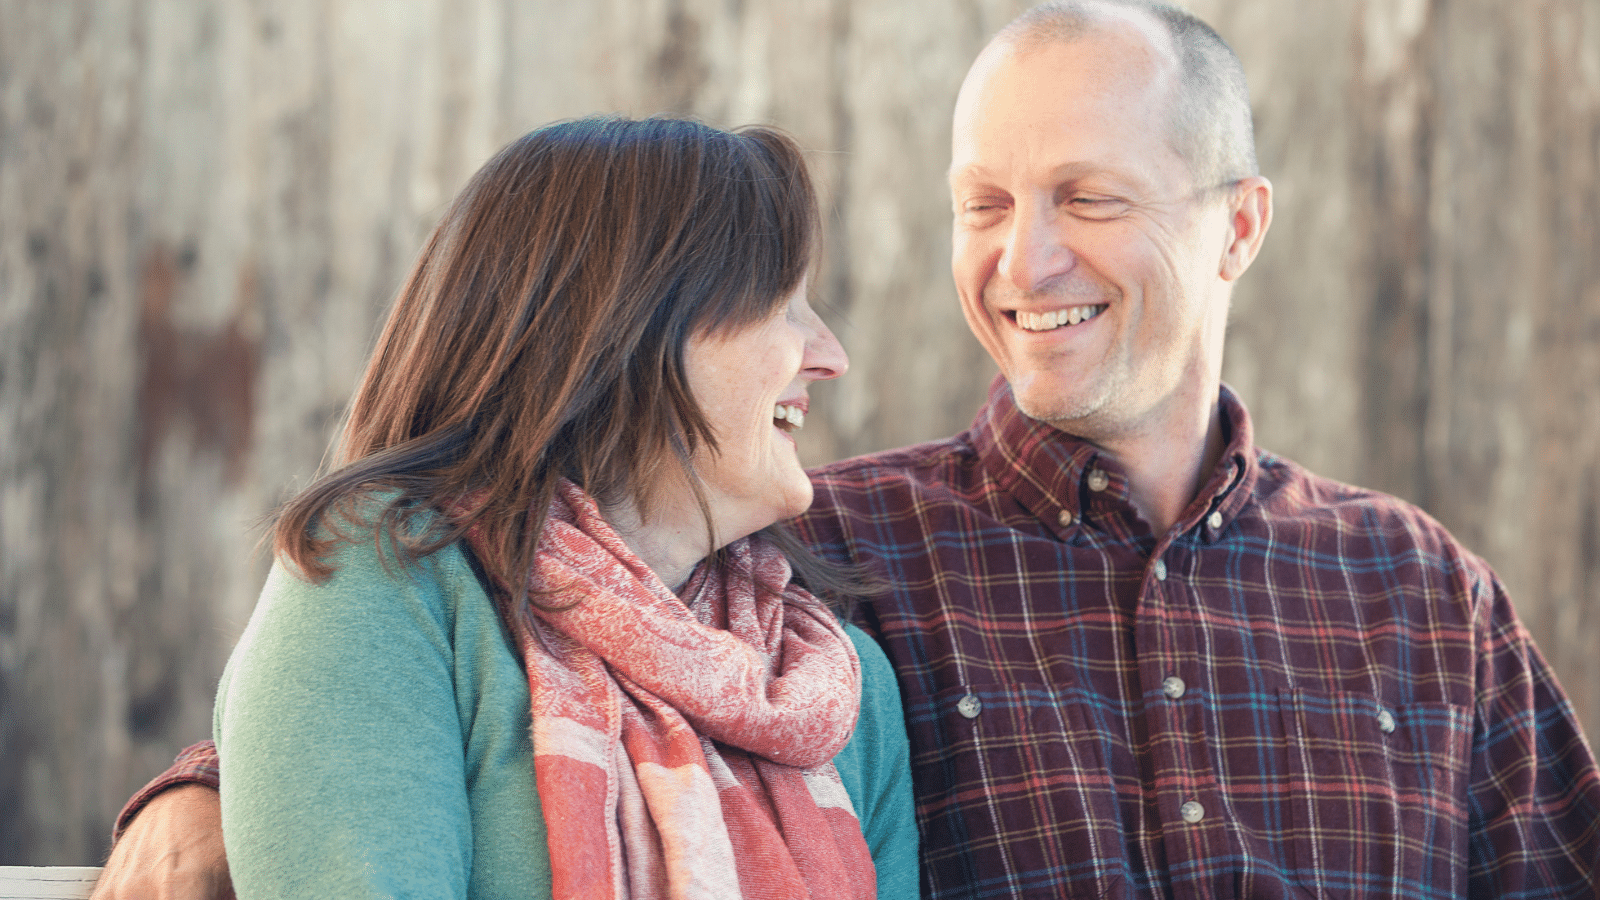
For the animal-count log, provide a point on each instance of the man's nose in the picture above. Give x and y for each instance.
(1035, 251)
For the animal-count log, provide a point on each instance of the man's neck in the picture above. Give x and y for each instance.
(1166, 470)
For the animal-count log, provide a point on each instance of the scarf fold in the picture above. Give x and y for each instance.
(684, 750)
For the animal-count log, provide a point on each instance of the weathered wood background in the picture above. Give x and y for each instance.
(205, 206)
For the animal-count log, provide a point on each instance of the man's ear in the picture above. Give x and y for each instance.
(1250, 213)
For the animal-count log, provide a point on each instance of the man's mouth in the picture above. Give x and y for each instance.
(1049, 321)
(788, 417)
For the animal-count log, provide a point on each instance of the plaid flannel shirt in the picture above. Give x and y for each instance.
(1302, 689)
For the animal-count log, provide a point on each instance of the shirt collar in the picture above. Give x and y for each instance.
(1060, 478)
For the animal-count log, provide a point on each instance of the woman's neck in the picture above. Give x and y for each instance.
(670, 549)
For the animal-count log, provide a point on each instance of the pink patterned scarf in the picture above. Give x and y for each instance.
(686, 750)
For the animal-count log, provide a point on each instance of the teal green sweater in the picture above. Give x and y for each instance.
(373, 732)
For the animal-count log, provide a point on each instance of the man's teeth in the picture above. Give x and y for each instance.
(794, 415)
(1045, 321)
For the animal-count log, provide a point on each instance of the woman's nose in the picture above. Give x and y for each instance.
(824, 356)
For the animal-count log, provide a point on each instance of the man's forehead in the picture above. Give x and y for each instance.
(1104, 84)
(1129, 50)
(976, 172)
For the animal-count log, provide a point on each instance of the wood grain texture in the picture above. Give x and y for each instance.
(205, 208)
(47, 883)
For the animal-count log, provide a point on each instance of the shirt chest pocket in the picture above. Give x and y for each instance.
(1376, 791)
(1013, 788)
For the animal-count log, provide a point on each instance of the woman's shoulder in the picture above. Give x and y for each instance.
(380, 564)
(376, 535)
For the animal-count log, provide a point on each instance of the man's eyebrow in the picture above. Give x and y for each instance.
(968, 172)
(1071, 170)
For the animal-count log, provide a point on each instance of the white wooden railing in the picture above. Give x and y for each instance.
(47, 882)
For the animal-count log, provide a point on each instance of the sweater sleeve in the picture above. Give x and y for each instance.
(340, 742)
(875, 767)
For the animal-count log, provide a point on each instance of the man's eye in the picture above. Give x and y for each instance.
(980, 212)
(1094, 206)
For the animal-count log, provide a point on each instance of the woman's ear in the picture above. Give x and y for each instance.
(1249, 215)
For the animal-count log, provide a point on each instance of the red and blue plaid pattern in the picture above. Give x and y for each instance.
(196, 764)
(1304, 689)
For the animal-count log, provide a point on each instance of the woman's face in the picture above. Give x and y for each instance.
(751, 383)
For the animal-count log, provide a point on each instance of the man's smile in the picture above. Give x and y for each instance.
(1049, 321)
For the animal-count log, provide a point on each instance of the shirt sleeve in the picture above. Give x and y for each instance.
(875, 767)
(196, 764)
(1535, 793)
(340, 739)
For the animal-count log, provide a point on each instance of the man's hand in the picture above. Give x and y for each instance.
(172, 850)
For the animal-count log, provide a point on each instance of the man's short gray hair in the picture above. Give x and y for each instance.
(1210, 118)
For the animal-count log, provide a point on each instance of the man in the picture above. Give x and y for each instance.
(1140, 656)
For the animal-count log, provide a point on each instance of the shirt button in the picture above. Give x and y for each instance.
(1192, 812)
(1099, 480)
(969, 706)
(1386, 721)
(1065, 518)
(1214, 520)
(1161, 570)
(1173, 687)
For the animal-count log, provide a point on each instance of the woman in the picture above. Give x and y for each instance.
(578, 413)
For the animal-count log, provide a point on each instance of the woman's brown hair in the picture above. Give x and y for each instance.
(540, 336)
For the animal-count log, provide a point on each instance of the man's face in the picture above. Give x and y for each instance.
(1086, 258)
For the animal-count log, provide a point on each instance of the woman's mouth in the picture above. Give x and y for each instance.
(788, 417)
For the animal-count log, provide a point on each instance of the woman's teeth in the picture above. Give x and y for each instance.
(789, 418)
(1046, 321)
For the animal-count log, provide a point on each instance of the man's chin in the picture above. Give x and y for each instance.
(1053, 404)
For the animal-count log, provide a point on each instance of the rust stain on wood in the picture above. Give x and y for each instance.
(191, 380)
